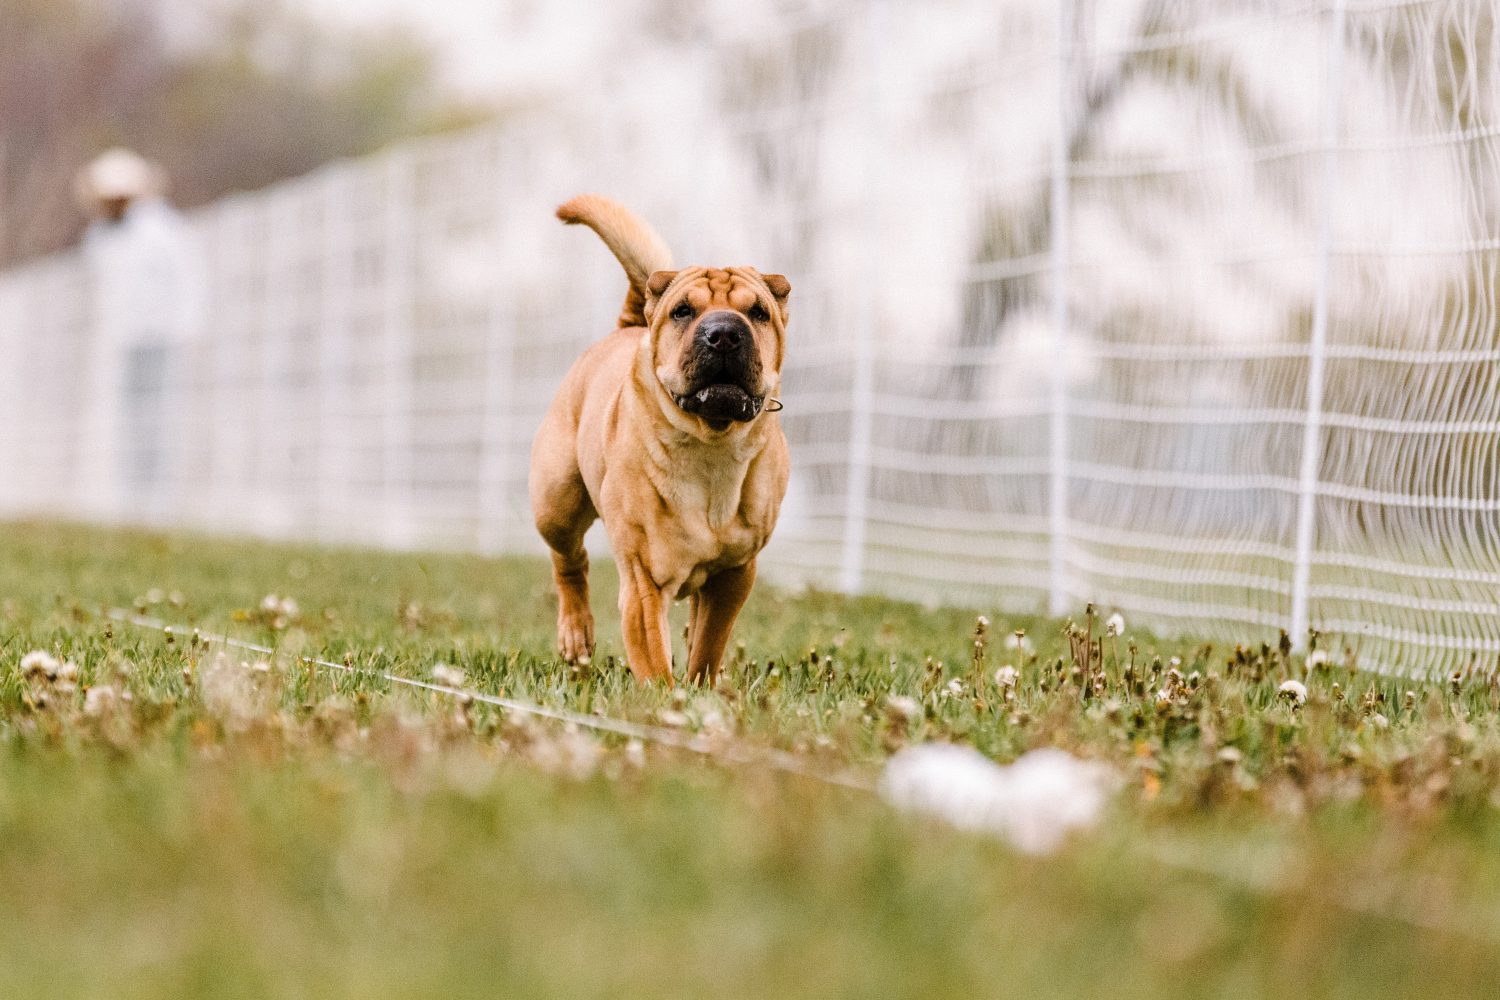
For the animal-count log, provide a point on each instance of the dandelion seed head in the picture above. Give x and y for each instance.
(39, 663)
(227, 691)
(635, 753)
(1035, 803)
(902, 708)
(100, 699)
(1293, 691)
(714, 721)
(672, 717)
(449, 675)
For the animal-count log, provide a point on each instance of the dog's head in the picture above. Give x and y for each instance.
(716, 339)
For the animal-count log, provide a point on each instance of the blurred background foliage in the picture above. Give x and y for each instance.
(226, 97)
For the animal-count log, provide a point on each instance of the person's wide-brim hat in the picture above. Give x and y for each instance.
(113, 175)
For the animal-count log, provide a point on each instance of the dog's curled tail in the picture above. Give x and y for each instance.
(634, 244)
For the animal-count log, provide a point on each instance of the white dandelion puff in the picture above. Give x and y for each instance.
(1115, 624)
(1293, 691)
(713, 721)
(227, 691)
(100, 699)
(39, 663)
(635, 753)
(451, 676)
(1035, 803)
(1230, 755)
(902, 708)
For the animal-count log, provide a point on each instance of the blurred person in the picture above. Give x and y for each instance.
(146, 285)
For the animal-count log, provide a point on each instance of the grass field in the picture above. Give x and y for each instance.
(192, 827)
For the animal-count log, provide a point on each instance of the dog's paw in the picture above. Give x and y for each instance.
(575, 638)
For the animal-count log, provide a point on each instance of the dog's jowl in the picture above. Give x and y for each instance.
(662, 430)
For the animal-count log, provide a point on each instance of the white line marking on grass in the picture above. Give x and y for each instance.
(780, 760)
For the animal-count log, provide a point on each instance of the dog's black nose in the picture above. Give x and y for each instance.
(723, 331)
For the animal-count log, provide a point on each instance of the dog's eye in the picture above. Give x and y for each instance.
(683, 311)
(758, 313)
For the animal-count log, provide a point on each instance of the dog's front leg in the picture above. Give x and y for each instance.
(718, 605)
(643, 620)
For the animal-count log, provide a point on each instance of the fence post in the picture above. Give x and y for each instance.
(273, 486)
(395, 351)
(1312, 427)
(862, 387)
(495, 428)
(334, 355)
(237, 307)
(1057, 502)
(12, 315)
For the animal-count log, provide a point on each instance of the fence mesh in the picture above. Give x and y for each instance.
(1184, 309)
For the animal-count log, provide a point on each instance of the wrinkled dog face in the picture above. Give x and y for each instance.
(717, 339)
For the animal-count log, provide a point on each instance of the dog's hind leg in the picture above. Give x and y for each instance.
(718, 604)
(564, 513)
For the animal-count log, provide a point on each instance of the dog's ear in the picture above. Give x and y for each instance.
(656, 283)
(781, 288)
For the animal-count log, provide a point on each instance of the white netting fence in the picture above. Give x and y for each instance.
(1186, 309)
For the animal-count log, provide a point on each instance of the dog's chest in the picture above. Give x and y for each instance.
(714, 524)
(709, 488)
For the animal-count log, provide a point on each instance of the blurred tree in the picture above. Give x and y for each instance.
(259, 93)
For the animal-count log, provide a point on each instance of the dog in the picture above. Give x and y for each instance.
(666, 430)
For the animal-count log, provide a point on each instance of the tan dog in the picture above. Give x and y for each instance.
(662, 430)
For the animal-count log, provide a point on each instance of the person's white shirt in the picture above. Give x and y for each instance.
(146, 276)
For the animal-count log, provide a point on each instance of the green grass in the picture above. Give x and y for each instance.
(231, 832)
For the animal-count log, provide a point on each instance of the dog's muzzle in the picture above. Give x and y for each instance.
(722, 370)
(722, 404)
